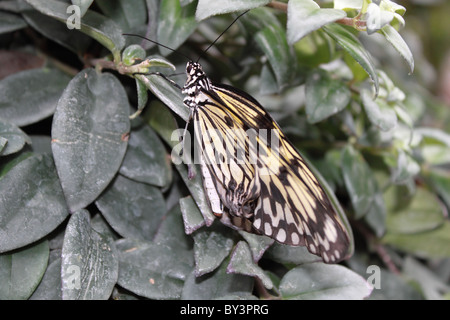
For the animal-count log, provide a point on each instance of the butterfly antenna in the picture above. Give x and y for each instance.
(220, 35)
(159, 44)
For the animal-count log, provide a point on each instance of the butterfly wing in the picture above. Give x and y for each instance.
(271, 188)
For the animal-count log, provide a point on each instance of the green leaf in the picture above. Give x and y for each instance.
(132, 54)
(359, 180)
(207, 8)
(15, 138)
(257, 244)
(89, 135)
(97, 26)
(89, 266)
(171, 233)
(10, 22)
(324, 96)
(146, 159)
(192, 217)
(352, 45)
(305, 16)
(420, 213)
(431, 244)
(378, 111)
(22, 270)
(167, 93)
(440, 182)
(50, 286)
(290, 254)
(72, 39)
(152, 270)
(175, 25)
(125, 203)
(431, 285)
(216, 285)
(211, 246)
(32, 203)
(31, 95)
(241, 262)
(321, 281)
(128, 14)
(435, 145)
(272, 41)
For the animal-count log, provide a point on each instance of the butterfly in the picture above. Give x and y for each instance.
(253, 177)
(252, 183)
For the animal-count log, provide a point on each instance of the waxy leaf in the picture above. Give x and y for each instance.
(32, 202)
(89, 267)
(31, 95)
(22, 270)
(89, 135)
(305, 16)
(125, 205)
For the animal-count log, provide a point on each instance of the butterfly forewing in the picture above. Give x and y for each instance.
(262, 183)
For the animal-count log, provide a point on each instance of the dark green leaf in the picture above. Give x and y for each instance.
(73, 40)
(152, 270)
(352, 45)
(399, 44)
(305, 16)
(378, 111)
(211, 246)
(324, 96)
(216, 285)
(32, 203)
(125, 205)
(321, 281)
(31, 95)
(175, 25)
(241, 262)
(128, 14)
(431, 244)
(50, 286)
(359, 180)
(171, 233)
(167, 93)
(14, 138)
(258, 244)
(290, 254)
(272, 41)
(10, 22)
(192, 217)
(421, 213)
(89, 266)
(132, 54)
(207, 8)
(89, 135)
(21, 271)
(97, 26)
(146, 159)
(440, 181)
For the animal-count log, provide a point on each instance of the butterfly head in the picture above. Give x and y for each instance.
(196, 79)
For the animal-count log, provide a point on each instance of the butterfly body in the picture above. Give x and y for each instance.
(254, 178)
